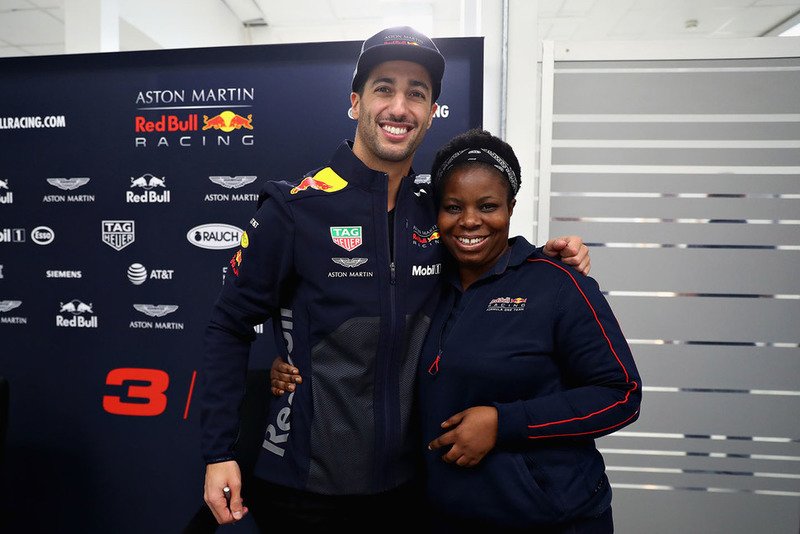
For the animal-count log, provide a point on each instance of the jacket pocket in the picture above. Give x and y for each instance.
(504, 489)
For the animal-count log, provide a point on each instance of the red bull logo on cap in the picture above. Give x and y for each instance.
(325, 180)
(227, 121)
(398, 41)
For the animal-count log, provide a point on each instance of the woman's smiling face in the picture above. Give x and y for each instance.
(474, 218)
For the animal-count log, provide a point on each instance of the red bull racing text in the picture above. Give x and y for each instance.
(226, 122)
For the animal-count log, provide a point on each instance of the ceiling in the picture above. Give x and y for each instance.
(36, 27)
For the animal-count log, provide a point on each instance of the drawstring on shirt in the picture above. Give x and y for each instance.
(434, 368)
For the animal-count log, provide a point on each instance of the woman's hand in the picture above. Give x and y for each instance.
(473, 435)
(283, 377)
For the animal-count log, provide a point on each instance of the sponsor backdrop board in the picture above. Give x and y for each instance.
(125, 181)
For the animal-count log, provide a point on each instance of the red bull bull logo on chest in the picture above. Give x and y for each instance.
(325, 180)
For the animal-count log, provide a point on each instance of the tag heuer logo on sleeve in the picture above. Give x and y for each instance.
(347, 237)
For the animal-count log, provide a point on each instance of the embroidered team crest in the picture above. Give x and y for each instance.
(423, 238)
(505, 304)
(347, 237)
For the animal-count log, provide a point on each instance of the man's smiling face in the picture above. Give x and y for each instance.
(394, 111)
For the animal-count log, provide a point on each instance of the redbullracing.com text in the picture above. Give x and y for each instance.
(20, 123)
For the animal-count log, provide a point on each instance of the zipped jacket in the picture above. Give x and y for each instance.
(349, 308)
(539, 342)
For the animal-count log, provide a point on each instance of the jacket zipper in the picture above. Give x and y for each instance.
(387, 408)
(434, 368)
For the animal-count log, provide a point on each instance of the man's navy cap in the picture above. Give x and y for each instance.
(400, 43)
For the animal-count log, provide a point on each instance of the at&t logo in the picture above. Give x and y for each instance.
(138, 275)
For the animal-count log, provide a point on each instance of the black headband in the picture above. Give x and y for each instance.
(482, 155)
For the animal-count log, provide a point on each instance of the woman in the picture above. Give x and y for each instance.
(526, 365)
(524, 362)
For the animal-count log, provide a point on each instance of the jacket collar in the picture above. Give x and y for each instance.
(347, 165)
(519, 250)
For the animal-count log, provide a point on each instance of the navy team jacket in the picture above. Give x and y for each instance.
(347, 312)
(539, 342)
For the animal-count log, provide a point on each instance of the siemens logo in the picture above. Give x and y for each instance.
(64, 274)
(426, 270)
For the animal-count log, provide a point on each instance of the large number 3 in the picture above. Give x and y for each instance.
(145, 399)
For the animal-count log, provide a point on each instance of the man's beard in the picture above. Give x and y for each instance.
(388, 151)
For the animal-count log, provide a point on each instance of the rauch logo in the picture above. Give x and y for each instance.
(215, 236)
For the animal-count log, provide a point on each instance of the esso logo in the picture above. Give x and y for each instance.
(42, 235)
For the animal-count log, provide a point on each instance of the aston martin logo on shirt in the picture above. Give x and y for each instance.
(350, 263)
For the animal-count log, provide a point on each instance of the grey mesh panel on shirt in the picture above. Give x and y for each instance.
(343, 427)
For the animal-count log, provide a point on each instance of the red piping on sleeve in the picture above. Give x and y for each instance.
(633, 385)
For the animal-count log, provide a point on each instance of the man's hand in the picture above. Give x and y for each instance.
(572, 251)
(473, 435)
(283, 377)
(219, 476)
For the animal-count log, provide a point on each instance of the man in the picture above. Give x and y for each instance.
(333, 260)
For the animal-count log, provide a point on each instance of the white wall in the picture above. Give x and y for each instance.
(119, 25)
